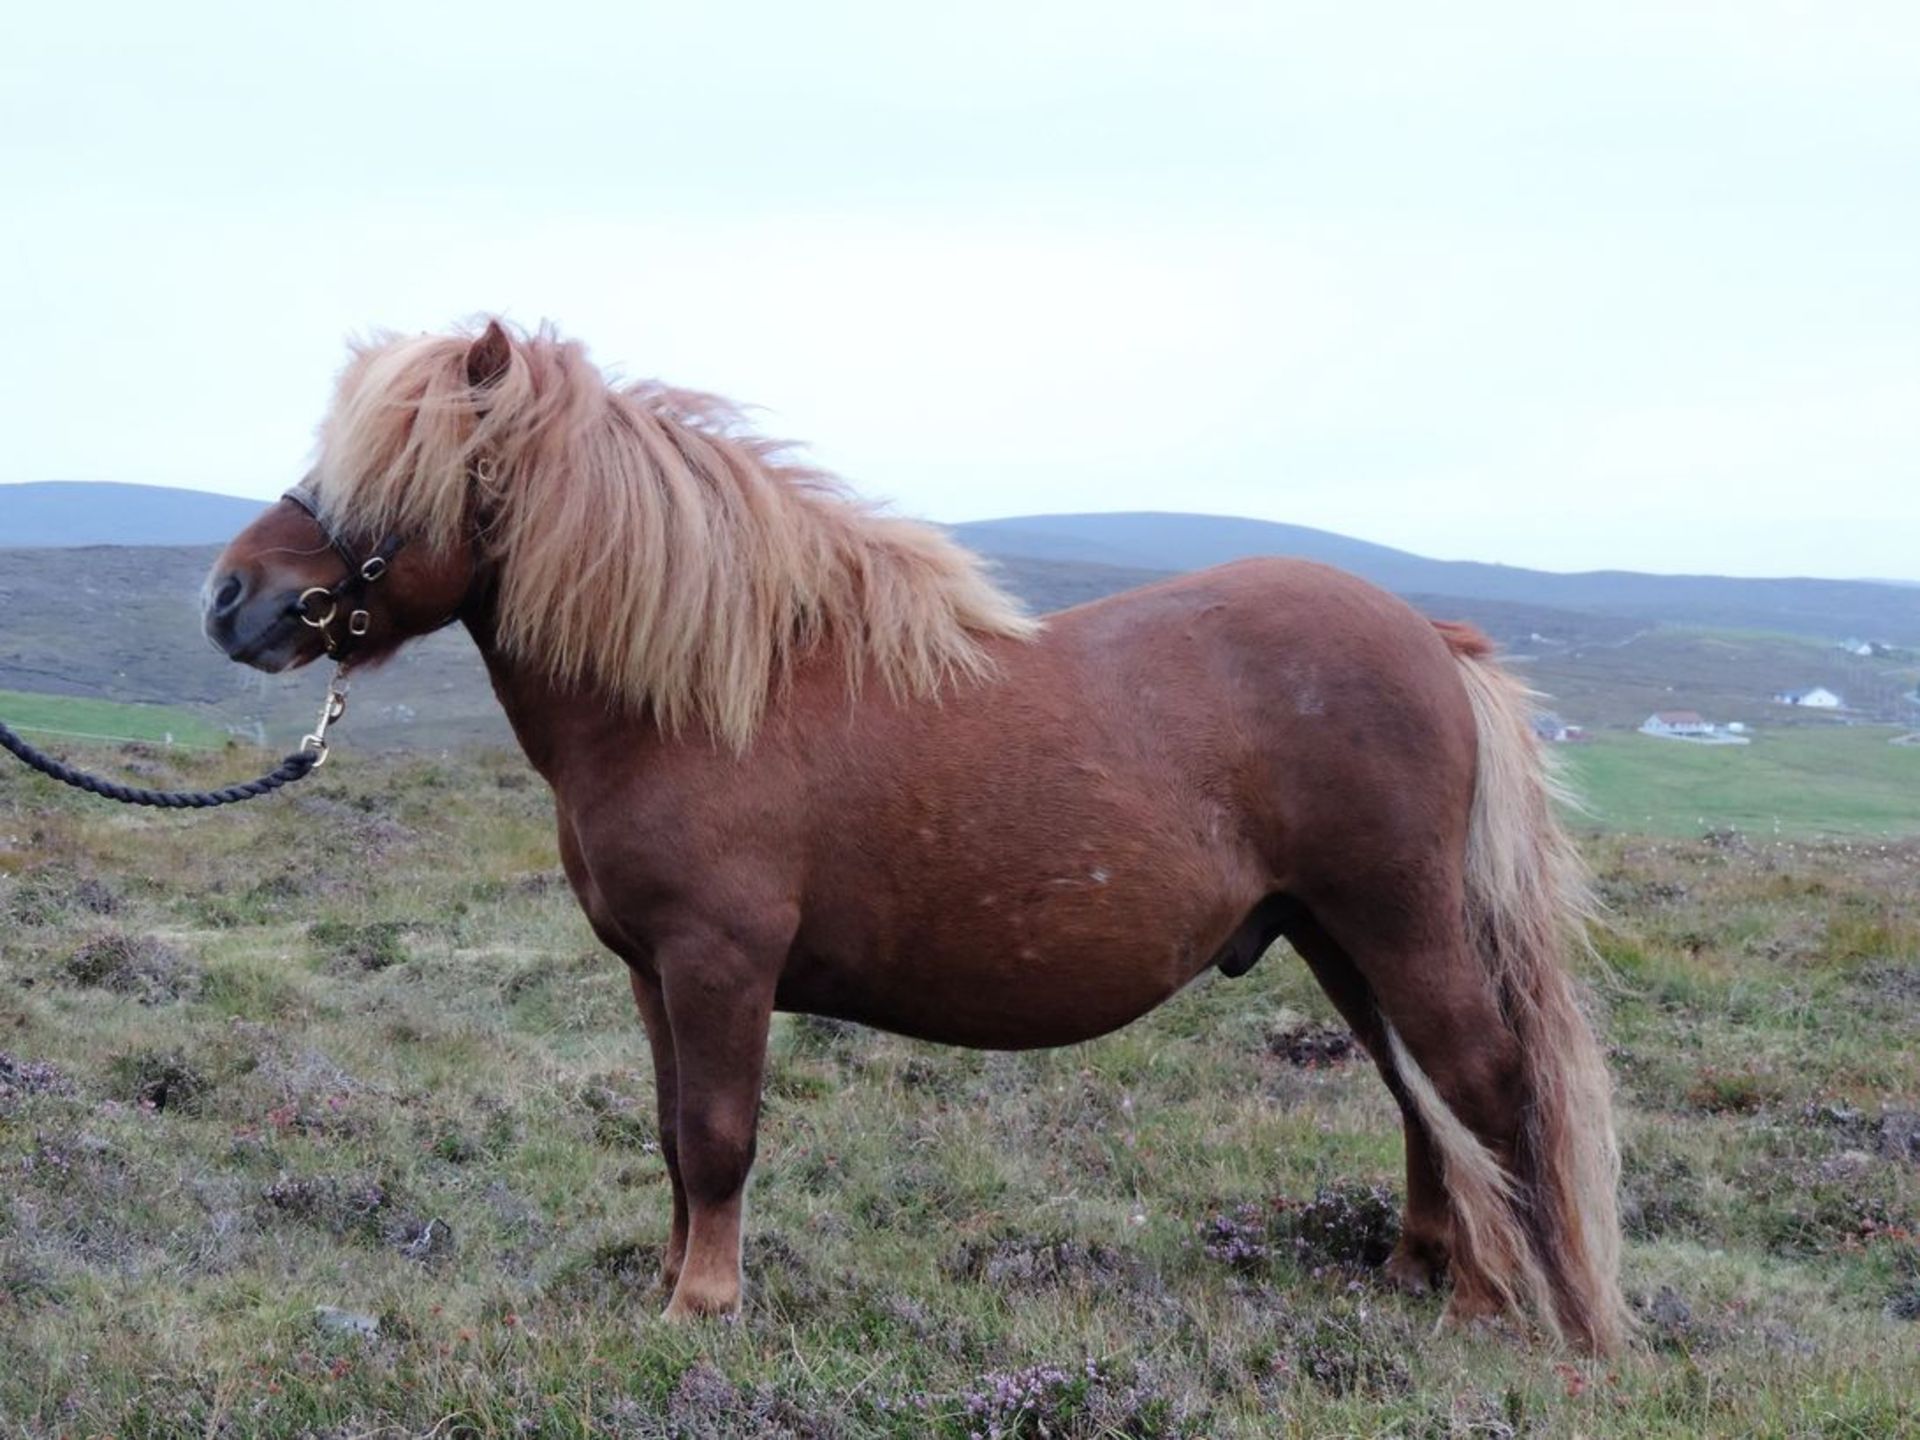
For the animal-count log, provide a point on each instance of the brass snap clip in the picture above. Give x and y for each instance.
(331, 709)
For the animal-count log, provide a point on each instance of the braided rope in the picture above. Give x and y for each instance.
(296, 766)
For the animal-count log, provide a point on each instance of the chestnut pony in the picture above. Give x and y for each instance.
(806, 757)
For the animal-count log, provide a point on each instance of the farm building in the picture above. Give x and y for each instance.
(1558, 732)
(1555, 731)
(1818, 698)
(1692, 726)
(1676, 722)
(1871, 649)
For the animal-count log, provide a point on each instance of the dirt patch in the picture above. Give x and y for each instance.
(1718, 1091)
(1312, 1043)
(159, 1079)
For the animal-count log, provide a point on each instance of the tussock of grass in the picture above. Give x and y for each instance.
(398, 1083)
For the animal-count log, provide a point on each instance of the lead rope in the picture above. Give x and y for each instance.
(311, 755)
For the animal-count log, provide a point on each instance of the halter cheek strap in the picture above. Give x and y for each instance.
(320, 605)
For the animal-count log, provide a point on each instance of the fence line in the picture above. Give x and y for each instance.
(117, 739)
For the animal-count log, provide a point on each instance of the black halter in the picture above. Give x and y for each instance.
(320, 605)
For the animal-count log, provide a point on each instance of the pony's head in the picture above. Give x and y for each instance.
(348, 568)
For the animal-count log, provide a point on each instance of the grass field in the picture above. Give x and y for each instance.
(327, 1117)
(1817, 780)
(64, 715)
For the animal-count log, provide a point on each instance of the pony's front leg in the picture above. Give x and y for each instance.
(666, 1094)
(718, 1005)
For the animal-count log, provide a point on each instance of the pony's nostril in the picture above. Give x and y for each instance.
(228, 595)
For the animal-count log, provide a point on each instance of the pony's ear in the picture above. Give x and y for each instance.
(489, 356)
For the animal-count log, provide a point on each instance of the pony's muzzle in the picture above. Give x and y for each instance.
(255, 626)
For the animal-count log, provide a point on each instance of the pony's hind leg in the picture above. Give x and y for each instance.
(1458, 1062)
(1419, 1260)
(666, 1093)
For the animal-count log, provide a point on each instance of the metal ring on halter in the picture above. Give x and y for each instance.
(306, 617)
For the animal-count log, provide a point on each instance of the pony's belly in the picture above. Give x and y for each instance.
(994, 988)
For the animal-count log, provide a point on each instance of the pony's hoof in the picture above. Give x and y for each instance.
(1414, 1269)
(1469, 1310)
(692, 1302)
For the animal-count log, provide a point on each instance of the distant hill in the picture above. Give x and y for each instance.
(73, 512)
(1058, 560)
(1169, 540)
(120, 622)
(1829, 609)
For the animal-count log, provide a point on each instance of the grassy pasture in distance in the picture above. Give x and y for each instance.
(327, 1116)
(1724, 674)
(43, 717)
(1805, 781)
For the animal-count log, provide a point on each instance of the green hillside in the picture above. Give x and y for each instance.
(1801, 782)
(42, 717)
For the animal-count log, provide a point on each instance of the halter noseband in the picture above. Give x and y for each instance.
(350, 591)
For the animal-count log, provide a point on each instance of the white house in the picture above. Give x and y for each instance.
(1676, 722)
(1818, 698)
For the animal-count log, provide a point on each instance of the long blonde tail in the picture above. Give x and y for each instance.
(1550, 1234)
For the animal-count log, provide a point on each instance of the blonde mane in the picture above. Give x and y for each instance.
(646, 545)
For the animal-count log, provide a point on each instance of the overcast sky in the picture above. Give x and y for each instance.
(1634, 284)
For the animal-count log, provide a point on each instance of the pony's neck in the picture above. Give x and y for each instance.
(550, 727)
